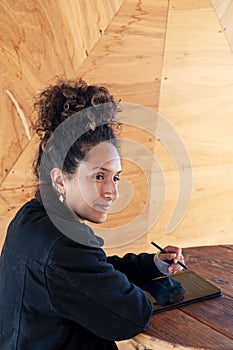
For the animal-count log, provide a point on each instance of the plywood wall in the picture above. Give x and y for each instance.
(115, 61)
(170, 56)
(224, 11)
(197, 97)
(41, 40)
(173, 57)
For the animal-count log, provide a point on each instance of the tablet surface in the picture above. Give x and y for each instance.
(179, 290)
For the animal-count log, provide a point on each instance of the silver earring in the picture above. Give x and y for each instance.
(61, 198)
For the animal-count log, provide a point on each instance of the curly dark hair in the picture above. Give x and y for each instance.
(91, 107)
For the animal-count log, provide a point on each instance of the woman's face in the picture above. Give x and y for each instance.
(90, 192)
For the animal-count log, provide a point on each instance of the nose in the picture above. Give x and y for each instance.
(111, 191)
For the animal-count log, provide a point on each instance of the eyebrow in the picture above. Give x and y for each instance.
(105, 169)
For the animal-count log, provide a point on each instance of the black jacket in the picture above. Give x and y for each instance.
(57, 294)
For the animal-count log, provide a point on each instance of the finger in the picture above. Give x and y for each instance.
(175, 250)
(178, 258)
(167, 256)
(174, 268)
(181, 258)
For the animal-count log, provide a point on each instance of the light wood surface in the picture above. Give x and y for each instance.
(116, 60)
(41, 40)
(196, 97)
(224, 11)
(170, 56)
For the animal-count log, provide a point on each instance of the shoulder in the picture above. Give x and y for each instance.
(31, 234)
(31, 218)
(67, 252)
(35, 234)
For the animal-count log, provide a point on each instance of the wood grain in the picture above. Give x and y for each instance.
(196, 97)
(129, 56)
(170, 56)
(129, 60)
(224, 11)
(41, 40)
(116, 61)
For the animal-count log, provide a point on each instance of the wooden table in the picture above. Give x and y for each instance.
(203, 325)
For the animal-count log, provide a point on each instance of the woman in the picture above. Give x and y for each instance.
(58, 289)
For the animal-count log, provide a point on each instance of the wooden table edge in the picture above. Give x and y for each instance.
(143, 343)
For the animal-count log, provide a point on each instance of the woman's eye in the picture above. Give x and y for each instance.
(98, 177)
(116, 178)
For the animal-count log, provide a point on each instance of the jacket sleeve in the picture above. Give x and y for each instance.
(138, 268)
(85, 288)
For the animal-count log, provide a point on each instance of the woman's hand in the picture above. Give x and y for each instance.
(171, 257)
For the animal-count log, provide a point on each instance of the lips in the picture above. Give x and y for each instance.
(102, 207)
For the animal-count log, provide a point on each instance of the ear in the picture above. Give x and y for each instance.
(58, 180)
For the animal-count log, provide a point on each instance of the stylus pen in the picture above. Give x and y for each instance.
(164, 252)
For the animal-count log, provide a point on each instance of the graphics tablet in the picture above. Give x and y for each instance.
(179, 290)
